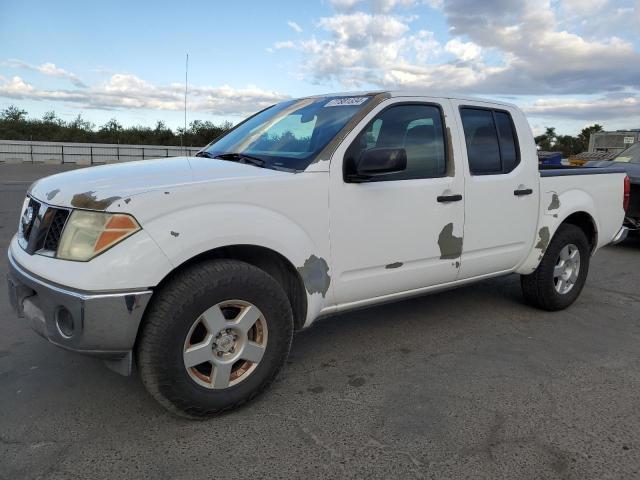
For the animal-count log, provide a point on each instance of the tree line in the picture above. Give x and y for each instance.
(16, 125)
(569, 145)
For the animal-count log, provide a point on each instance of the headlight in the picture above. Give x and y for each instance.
(88, 233)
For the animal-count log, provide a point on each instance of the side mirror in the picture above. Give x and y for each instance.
(377, 162)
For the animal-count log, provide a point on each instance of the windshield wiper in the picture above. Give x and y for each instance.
(241, 158)
(205, 154)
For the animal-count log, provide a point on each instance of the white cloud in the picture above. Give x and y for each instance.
(362, 48)
(294, 26)
(285, 44)
(619, 106)
(465, 51)
(500, 47)
(49, 69)
(125, 91)
(344, 5)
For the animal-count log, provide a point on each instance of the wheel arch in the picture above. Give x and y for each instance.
(266, 259)
(548, 227)
(586, 223)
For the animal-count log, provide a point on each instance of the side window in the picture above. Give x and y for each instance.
(508, 144)
(416, 128)
(492, 146)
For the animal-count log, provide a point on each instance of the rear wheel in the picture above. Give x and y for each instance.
(214, 337)
(562, 272)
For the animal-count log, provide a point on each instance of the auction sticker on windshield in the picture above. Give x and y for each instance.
(346, 101)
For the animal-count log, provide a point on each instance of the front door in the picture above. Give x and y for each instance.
(402, 231)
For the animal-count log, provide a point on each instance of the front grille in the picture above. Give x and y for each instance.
(55, 229)
(41, 227)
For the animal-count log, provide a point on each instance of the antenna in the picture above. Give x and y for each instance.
(186, 83)
(186, 80)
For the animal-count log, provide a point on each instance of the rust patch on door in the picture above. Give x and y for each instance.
(89, 201)
(315, 275)
(450, 245)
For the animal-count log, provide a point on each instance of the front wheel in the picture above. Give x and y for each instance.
(560, 276)
(214, 337)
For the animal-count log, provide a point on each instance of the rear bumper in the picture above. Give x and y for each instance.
(100, 324)
(620, 236)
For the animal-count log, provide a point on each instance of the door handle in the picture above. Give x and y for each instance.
(524, 191)
(449, 198)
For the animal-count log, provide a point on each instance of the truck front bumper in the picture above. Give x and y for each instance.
(99, 324)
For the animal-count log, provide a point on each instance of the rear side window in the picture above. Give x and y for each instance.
(492, 145)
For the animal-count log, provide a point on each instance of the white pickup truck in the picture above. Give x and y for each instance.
(199, 269)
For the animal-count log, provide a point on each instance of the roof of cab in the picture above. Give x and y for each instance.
(413, 93)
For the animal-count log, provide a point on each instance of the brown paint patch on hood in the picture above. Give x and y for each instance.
(52, 194)
(89, 201)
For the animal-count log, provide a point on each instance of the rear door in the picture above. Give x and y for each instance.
(402, 231)
(501, 187)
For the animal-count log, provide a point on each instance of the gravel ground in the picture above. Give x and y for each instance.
(469, 383)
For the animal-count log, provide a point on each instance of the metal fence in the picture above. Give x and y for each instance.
(12, 151)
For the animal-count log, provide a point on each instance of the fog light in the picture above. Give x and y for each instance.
(64, 322)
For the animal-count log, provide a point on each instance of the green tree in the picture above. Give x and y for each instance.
(15, 125)
(585, 134)
(13, 114)
(112, 127)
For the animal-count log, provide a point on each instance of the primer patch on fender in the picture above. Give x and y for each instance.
(450, 245)
(89, 201)
(315, 275)
(555, 202)
(543, 243)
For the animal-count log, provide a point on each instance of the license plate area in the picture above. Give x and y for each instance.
(17, 294)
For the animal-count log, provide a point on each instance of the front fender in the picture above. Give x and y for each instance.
(186, 233)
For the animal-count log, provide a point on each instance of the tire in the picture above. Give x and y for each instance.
(192, 304)
(542, 289)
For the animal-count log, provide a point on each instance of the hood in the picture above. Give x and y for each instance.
(96, 188)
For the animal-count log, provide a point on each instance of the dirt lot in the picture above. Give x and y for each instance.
(469, 383)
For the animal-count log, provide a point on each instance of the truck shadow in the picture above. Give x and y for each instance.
(632, 242)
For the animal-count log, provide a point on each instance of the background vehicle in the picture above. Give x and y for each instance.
(201, 268)
(629, 161)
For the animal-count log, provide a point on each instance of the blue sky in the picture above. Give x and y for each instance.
(568, 63)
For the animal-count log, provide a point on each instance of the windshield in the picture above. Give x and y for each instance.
(630, 155)
(288, 135)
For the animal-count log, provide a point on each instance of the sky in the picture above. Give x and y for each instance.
(566, 63)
